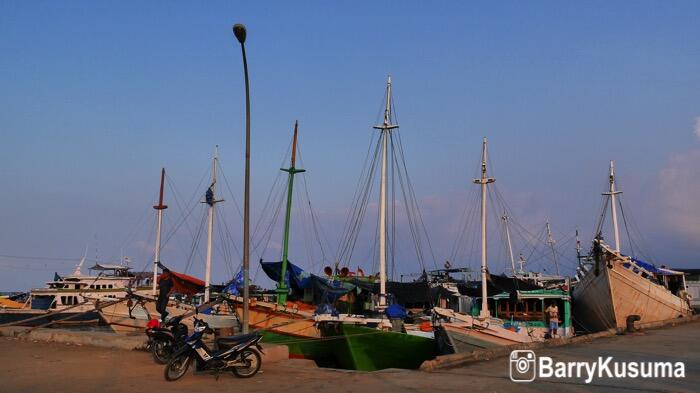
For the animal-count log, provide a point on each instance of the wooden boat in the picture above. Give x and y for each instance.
(376, 342)
(292, 325)
(133, 316)
(513, 320)
(612, 287)
(281, 321)
(619, 286)
(365, 348)
(516, 319)
(465, 333)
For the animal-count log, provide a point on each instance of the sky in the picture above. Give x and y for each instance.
(96, 97)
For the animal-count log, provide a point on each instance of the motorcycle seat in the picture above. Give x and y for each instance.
(231, 341)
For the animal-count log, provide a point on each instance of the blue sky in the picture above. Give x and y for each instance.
(95, 97)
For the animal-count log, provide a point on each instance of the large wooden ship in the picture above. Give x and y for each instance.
(613, 287)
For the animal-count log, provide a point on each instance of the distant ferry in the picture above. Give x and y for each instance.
(71, 299)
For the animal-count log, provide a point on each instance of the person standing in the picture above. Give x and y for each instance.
(552, 313)
(165, 285)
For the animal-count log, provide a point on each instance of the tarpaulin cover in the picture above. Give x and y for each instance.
(185, 284)
(324, 290)
(656, 270)
(295, 277)
(7, 303)
(396, 311)
(330, 290)
(234, 286)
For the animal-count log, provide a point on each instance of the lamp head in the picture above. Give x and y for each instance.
(240, 32)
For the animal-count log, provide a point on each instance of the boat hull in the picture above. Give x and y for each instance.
(118, 317)
(320, 351)
(293, 328)
(25, 317)
(605, 300)
(363, 348)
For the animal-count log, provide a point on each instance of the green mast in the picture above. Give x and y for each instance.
(282, 289)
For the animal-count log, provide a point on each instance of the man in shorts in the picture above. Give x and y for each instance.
(552, 313)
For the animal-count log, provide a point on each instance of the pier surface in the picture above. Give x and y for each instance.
(49, 367)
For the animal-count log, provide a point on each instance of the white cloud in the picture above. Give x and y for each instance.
(697, 126)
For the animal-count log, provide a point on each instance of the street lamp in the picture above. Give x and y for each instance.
(240, 32)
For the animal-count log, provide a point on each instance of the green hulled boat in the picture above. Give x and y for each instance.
(319, 350)
(369, 349)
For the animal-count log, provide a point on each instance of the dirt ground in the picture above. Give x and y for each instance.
(28, 367)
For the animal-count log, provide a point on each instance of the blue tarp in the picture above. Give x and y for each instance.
(325, 308)
(299, 278)
(396, 311)
(234, 285)
(653, 269)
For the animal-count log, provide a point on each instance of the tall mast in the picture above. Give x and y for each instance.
(159, 209)
(210, 200)
(510, 245)
(613, 205)
(551, 243)
(385, 130)
(282, 289)
(483, 181)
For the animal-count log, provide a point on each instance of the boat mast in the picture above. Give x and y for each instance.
(613, 205)
(159, 209)
(483, 181)
(78, 267)
(385, 130)
(510, 245)
(210, 200)
(282, 289)
(551, 243)
(578, 247)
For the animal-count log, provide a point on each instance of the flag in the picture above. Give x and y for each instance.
(236, 283)
(209, 196)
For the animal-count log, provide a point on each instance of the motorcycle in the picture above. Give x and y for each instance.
(166, 338)
(235, 354)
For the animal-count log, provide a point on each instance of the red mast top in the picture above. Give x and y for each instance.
(160, 205)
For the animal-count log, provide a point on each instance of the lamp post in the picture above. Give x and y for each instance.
(240, 32)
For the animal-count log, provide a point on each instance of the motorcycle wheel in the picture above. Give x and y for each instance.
(177, 367)
(161, 351)
(252, 362)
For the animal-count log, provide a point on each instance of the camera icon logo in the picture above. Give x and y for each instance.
(522, 366)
